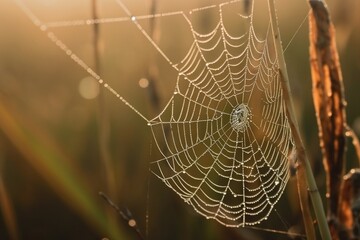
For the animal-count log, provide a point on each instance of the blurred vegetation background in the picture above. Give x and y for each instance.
(50, 164)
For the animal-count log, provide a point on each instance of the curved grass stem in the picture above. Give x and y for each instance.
(301, 154)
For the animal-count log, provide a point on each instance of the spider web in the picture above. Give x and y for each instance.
(225, 129)
(224, 136)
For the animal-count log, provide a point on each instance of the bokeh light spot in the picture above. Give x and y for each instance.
(132, 223)
(89, 88)
(143, 83)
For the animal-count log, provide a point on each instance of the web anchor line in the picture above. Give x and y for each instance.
(226, 135)
(62, 46)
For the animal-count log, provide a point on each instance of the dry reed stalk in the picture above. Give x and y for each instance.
(330, 105)
(328, 96)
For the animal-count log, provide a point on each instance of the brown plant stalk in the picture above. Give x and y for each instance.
(152, 71)
(103, 121)
(329, 102)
